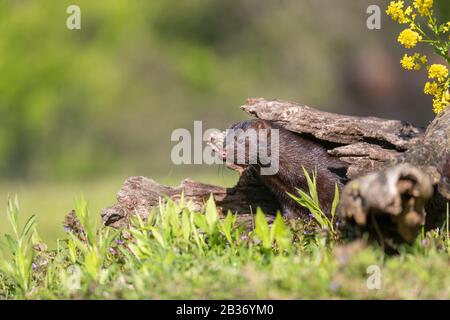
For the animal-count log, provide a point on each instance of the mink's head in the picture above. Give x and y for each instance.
(248, 142)
(444, 183)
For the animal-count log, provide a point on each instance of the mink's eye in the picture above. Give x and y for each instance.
(446, 180)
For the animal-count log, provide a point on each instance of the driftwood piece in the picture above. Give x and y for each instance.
(395, 197)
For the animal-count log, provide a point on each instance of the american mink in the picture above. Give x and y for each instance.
(295, 151)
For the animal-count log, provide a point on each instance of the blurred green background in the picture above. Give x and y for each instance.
(81, 110)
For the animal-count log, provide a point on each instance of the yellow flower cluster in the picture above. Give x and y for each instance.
(439, 88)
(441, 96)
(438, 71)
(423, 6)
(396, 12)
(441, 101)
(446, 28)
(409, 38)
(413, 62)
(431, 88)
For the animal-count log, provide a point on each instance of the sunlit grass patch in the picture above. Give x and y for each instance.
(178, 253)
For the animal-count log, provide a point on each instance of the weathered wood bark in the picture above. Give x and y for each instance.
(433, 148)
(334, 127)
(390, 204)
(397, 196)
(139, 194)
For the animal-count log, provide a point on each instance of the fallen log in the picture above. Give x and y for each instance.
(398, 195)
(394, 193)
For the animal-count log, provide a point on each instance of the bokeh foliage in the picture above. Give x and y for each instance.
(107, 97)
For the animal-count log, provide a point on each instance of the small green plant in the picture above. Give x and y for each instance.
(89, 249)
(20, 247)
(310, 201)
(279, 235)
(175, 226)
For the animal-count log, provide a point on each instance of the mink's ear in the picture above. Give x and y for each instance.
(444, 166)
(260, 124)
(263, 125)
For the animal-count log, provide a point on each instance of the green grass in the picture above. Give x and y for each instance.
(180, 254)
(310, 200)
(51, 201)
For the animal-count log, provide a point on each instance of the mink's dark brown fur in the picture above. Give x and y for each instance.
(295, 152)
